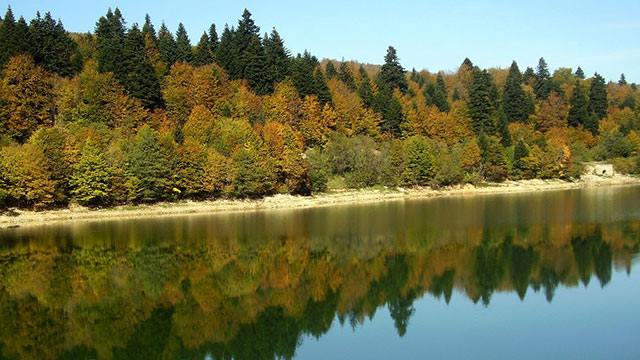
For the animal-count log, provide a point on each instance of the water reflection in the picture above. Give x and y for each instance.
(248, 286)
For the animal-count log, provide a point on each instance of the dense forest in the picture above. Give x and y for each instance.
(131, 114)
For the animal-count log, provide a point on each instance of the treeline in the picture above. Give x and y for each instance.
(128, 114)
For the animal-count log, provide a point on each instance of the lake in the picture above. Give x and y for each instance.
(526, 276)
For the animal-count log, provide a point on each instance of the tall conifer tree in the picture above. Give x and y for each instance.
(514, 98)
(183, 45)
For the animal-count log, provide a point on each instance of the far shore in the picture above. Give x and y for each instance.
(19, 218)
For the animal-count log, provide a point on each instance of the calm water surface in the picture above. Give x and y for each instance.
(547, 275)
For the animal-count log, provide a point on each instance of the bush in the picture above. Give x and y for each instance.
(319, 169)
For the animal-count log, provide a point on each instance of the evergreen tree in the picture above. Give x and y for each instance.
(391, 74)
(227, 53)
(167, 46)
(456, 95)
(148, 169)
(387, 105)
(579, 73)
(10, 38)
(468, 63)
(213, 40)
(277, 57)
(52, 48)
(256, 69)
(148, 29)
(529, 76)
(344, 74)
(183, 45)
(330, 70)
(364, 90)
(514, 98)
(440, 96)
(579, 110)
(202, 53)
(503, 128)
(91, 179)
(543, 85)
(305, 78)
(110, 35)
(598, 97)
(482, 102)
(320, 86)
(623, 80)
(520, 152)
(140, 78)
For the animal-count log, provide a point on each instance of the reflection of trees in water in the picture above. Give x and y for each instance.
(261, 301)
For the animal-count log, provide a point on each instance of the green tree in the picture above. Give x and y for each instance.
(14, 37)
(91, 179)
(183, 45)
(277, 57)
(167, 46)
(623, 80)
(482, 102)
(140, 79)
(514, 100)
(202, 54)
(364, 90)
(391, 74)
(598, 97)
(579, 110)
(256, 68)
(345, 75)
(330, 70)
(149, 29)
(543, 85)
(110, 36)
(213, 40)
(148, 168)
(252, 174)
(579, 73)
(52, 48)
(419, 161)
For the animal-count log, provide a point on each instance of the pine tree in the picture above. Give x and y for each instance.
(213, 40)
(344, 74)
(468, 63)
(110, 35)
(579, 73)
(52, 48)
(202, 53)
(302, 74)
(183, 45)
(514, 98)
(227, 53)
(91, 179)
(440, 95)
(320, 86)
(598, 97)
(364, 90)
(148, 29)
(277, 57)
(482, 103)
(529, 76)
(542, 87)
(387, 105)
(579, 110)
(503, 128)
(391, 74)
(167, 46)
(256, 69)
(140, 78)
(10, 39)
(330, 70)
(520, 152)
(623, 80)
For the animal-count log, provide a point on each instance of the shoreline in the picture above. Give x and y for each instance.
(282, 202)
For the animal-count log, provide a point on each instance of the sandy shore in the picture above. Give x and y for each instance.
(77, 213)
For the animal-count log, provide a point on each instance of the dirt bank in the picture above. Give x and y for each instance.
(77, 213)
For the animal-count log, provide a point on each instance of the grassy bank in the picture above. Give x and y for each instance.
(76, 213)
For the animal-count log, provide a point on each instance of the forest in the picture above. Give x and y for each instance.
(129, 114)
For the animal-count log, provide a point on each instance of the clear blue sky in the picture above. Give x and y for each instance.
(598, 35)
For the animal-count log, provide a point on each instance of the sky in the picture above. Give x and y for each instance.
(600, 36)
